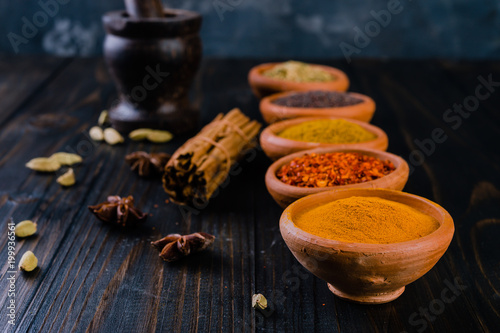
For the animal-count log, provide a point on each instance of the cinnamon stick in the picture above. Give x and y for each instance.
(201, 164)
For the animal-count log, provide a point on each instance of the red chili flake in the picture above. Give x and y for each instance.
(333, 169)
(155, 206)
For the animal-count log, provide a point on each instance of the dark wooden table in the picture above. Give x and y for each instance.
(97, 278)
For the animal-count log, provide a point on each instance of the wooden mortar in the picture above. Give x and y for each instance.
(152, 54)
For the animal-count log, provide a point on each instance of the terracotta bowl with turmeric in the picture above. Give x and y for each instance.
(263, 85)
(276, 146)
(366, 272)
(273, 111)
(284, 194)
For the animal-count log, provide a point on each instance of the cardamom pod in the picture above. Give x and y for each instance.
(43, 164)
(28, 262)
(67, 178)
(96, 133)
(112, 136)
(66, 158)
(259, 302)
(25, 228)
(103, 118)
(140, 134)
(157, 136)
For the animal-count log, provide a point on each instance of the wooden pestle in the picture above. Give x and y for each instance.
(144, 8)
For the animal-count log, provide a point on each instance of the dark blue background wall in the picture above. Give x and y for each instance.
(277, 28)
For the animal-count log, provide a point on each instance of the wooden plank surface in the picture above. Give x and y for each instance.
(98, 278)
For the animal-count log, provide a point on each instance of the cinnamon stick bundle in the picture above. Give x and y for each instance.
(201, 164)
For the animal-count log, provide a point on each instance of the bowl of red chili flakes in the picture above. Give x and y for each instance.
(325, 169)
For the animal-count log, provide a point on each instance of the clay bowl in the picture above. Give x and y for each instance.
(367, 273)
(273, 112)
(285, 194)
(263, 86)
(276, 147)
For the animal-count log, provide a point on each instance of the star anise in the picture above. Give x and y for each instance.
(147, 164)
(118, 210)
(175, 246)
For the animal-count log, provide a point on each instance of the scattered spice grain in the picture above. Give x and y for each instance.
(25, 228)
(67, 179)
(259, 302)
(28, 262)
(66, 158)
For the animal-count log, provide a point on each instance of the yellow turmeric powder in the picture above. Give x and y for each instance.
(366, 220)
(327, 131)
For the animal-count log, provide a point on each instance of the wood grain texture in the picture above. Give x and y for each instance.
(98, 278)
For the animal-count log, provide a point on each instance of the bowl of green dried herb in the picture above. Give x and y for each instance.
(270, 78)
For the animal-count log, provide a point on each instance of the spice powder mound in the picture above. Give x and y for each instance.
(327, 131)
(369, 220)
(333, 169)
